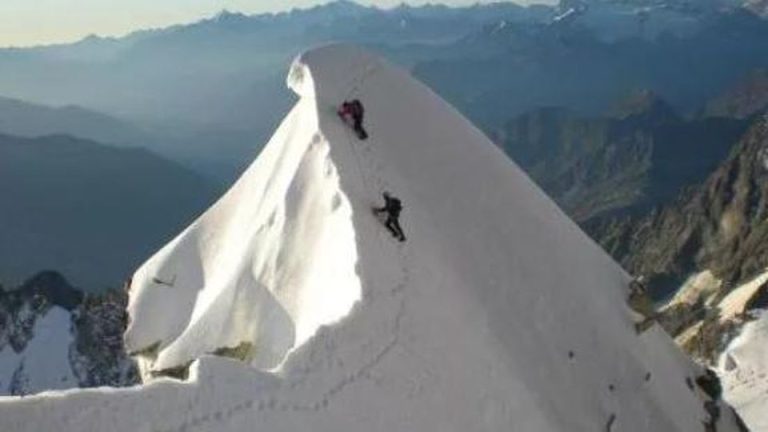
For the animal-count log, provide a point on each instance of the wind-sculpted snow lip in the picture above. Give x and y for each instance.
(342, 68)
(278, 228)
(259, 272)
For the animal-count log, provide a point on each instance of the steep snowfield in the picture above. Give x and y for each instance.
(498, 313)
(267, 265)
(744, 372)
(44, 363)
(736, 301)
(699, 286)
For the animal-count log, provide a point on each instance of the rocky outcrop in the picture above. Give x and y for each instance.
(99, 357)
(743, 100)
(759, 7)
(640, 156)
(83, 331)
(719, 225)
(20, 308)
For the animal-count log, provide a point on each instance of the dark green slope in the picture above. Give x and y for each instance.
(626, 163)
(90, 211)
(720, 225)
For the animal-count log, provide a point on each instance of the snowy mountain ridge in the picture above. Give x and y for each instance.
(497, 313)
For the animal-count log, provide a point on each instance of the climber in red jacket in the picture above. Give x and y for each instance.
(353, 111)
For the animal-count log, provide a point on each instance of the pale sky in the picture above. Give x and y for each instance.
(33, 22)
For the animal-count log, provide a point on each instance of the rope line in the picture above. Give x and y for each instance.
(369, 69)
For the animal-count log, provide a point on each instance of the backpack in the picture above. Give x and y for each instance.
(395, 205)
(357, 108)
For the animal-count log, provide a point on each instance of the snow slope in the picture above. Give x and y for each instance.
(498, 313)
(744, 373)
(44, 363)
(736, 301)
(698, 286)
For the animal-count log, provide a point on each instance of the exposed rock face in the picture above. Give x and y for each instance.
(645, 107)
(20, 308)
(759, 7)
(713, 237)
(53, 288)
(720, 225)
(99, 357)
(639, 157)
(743, 100)
(52, 336)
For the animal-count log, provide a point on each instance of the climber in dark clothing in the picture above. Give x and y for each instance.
(353, 111)
(393, 207)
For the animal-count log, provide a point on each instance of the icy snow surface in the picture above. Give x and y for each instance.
(744, 372)
(736, 301)
(698, 286)
(44, 362)
(498, 314)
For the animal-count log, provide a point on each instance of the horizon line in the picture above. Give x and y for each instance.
(231, 11)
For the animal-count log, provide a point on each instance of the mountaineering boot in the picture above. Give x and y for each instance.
(361, 133)
(393, 229)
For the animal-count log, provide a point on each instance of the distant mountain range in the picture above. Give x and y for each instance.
(625, 163)
(718, 225)
(33, 120)
(505, 71)
(208, 93)
(710, 224)
(668, 196)
(88, 210)
(212, 91)
(704, 258)
(743, 100)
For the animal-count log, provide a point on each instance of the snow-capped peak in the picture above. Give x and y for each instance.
(497, 313)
